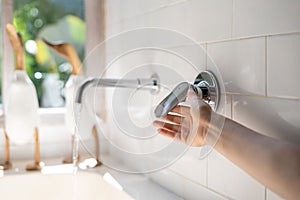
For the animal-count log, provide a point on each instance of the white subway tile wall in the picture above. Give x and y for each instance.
(241, 63)
(277, 118)
(255, 17)
(283, 65)
(226, 177)
(170, 180)
(272, 196)
(255, 45)
(183, 187)
(207, 20)
(191, 167)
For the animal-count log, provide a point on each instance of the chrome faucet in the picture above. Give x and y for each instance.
(151, 84)
(205, 86)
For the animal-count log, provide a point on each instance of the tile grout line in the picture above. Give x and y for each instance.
(232, 17)
(206, 54)
(201, 185)
(250, 37)
(263, 96)
(203, 43)
(222, 41)
(231, 107)
(266, 196)
(207, 172)
(266, 66)
(150, 11)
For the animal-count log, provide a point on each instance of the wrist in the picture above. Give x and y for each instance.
(214, 130)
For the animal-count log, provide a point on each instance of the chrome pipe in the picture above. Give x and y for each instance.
(150, 84)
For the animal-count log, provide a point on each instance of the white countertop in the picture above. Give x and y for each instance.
(138, 186)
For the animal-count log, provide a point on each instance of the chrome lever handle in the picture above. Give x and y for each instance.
(205, 86)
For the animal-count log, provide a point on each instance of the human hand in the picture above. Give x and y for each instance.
(187, 123)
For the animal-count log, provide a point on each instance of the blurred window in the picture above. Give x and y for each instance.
(54, 20)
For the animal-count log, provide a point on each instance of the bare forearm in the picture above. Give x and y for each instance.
(274, 163)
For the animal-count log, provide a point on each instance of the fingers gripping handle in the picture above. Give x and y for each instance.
(178, 95)
(205, 86)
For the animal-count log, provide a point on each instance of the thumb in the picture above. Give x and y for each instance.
(192, 95)
(194, 99)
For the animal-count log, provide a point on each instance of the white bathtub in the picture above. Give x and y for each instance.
(83, 185)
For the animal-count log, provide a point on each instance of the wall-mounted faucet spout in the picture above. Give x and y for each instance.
(151, 84)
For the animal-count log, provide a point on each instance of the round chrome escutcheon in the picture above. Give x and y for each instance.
(209, 86)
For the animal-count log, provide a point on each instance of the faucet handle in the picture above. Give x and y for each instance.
(205, 86)
(178, 94)
(207, 82)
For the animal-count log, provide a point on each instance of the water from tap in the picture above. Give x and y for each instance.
(75, 153)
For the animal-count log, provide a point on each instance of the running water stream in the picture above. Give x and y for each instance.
(75, 153)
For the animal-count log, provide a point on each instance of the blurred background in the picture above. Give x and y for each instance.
(53, 20)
